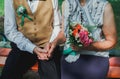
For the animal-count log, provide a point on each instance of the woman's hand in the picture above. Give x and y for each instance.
(76, 48)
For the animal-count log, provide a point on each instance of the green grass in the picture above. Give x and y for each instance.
(1, 7)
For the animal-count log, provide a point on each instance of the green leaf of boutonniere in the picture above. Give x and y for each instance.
(21, 11)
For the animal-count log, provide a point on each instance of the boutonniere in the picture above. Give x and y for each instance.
(21, 11)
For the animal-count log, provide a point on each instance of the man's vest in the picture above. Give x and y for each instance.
(40, 29)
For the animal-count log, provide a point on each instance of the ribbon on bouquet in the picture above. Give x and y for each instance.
(72, 56)
(69, 51)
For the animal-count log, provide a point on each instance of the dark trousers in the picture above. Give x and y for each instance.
(18, 62)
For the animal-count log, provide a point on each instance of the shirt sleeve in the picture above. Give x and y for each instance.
(56, 21)
(11, 32)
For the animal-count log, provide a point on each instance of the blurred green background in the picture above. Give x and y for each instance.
(1, 7)
(116, 8)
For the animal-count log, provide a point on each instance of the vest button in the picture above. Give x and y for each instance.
(35, 34)
(34, 23)
(35, 29)
(34, 17)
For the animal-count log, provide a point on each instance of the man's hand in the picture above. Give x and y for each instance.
(41, 53)
(50, 47)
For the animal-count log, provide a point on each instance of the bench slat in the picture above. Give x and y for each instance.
(114, 61)
(4, 51)
(2, 60)
(114, 72)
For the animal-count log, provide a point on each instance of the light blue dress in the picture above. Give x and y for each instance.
(86, 64)
(90, 15)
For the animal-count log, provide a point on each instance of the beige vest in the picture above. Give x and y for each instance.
(40, 29)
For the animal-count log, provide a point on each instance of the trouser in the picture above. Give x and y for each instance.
(86, 67)
(18, 62)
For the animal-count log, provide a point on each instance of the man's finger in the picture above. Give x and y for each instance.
(42, 50)
(50, 51)
(42, 56)
(47, 47)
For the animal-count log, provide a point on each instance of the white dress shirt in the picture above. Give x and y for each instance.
(10, 26)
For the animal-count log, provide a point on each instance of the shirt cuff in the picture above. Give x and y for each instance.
(55, 33)
(30, 47)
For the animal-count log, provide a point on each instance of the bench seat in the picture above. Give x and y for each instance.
(114, 69)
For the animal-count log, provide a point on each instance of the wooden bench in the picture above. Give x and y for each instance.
(3, 55)
(114, 69)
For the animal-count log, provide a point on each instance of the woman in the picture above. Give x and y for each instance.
(90, 62)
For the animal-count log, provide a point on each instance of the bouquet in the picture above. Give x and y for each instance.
(78, 36)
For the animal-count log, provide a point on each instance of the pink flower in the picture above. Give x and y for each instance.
(84, 38)
(81, 36)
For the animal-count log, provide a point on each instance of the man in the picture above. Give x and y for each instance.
(33, 27)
